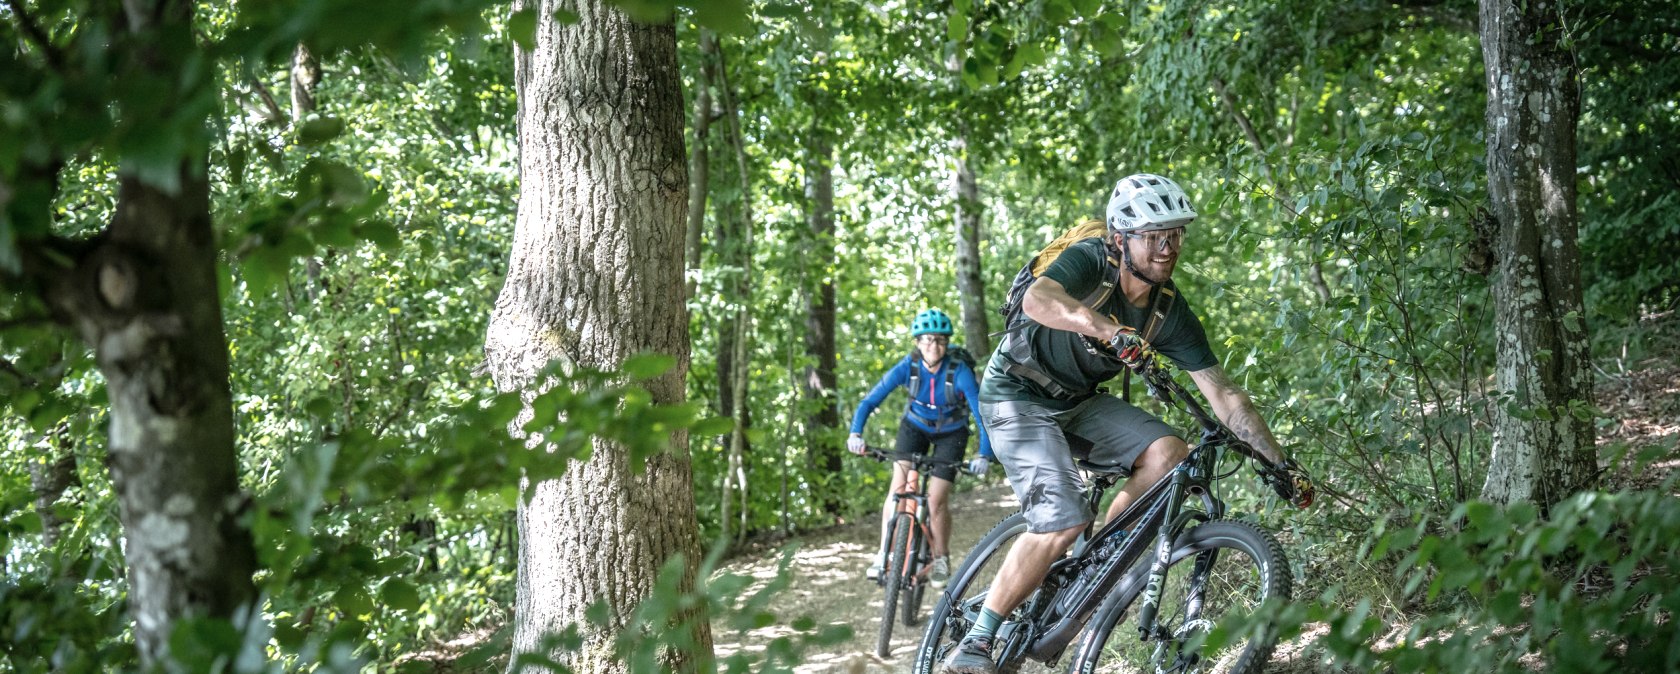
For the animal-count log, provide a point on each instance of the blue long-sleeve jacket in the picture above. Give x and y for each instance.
(934, 409)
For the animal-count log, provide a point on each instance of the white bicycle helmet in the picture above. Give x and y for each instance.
(1147, 202)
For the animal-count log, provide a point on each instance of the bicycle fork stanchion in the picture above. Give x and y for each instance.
(1163, 552)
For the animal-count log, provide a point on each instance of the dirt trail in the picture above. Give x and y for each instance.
(828, 586)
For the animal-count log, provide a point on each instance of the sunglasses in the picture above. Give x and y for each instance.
(935, 339)
(1161, 240)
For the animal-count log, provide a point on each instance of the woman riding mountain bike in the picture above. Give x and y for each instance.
(943, 393)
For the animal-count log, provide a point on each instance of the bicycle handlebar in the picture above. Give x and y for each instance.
(880, 454)
(1163, 387)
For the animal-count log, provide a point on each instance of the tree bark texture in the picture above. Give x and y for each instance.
(1542, 452)
(822, 422)
(143, 295)
(306, 75)
(595, 276)
(971, 289)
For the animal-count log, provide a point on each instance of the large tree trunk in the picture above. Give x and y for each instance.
(1543, 440)
(823, 422)
(971, 290)
(143, 295)
(595, 276)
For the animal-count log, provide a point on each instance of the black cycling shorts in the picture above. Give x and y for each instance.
(913, 441)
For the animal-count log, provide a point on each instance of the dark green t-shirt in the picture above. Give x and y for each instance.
(1065, 354)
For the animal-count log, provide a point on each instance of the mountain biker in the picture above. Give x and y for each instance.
(1032, 408)
(943, 391)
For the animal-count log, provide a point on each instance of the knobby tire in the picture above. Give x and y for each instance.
(912, 601)
(894, 576)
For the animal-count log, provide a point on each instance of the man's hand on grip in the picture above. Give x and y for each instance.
(1291, 482)
(1129, 348)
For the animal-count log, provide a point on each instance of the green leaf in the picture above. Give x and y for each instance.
(400, 595)
(265, 269)
(712, 426)
(335, 232)
(319, 130)
(353, 600)
(382, 234)
(956, 26)
(648, 365)
(566, 17)
(522, 27)
(723, 16)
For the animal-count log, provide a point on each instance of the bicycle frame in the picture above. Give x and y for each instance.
(912, 500)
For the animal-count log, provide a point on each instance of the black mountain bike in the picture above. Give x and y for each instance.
(1172, 547)
(905, 576)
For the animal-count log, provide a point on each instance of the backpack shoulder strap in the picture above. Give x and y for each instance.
(1165, 296)
(1110, 280)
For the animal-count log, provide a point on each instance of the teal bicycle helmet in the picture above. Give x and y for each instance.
(931, 322)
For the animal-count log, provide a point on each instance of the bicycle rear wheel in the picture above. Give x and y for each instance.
(1218, 571)
(894, 576)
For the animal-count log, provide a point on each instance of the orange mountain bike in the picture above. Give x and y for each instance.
(904, 578)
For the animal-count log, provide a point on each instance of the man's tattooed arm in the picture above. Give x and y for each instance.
(1233, 407)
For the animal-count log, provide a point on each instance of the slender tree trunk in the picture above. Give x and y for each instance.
(143, 295)
(971, 290)
(1543, 437)
(306, 76)
(49, 477)
(594, 277)
(738, 446)
(823, 422)
(700, 156)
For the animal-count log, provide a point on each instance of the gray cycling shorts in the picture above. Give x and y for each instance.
(1032, 441)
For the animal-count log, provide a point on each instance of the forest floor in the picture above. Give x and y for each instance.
(829, 587)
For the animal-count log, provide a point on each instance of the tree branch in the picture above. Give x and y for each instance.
(275, 115)
(11, 368)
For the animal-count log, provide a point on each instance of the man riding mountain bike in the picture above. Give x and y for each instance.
(942, 393)
(1040, 388)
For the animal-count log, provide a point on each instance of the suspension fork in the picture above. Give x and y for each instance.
(1165, 535)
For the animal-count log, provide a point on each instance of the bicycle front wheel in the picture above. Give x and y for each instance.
(912, 599)
(895, 575)
(1218, 571)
